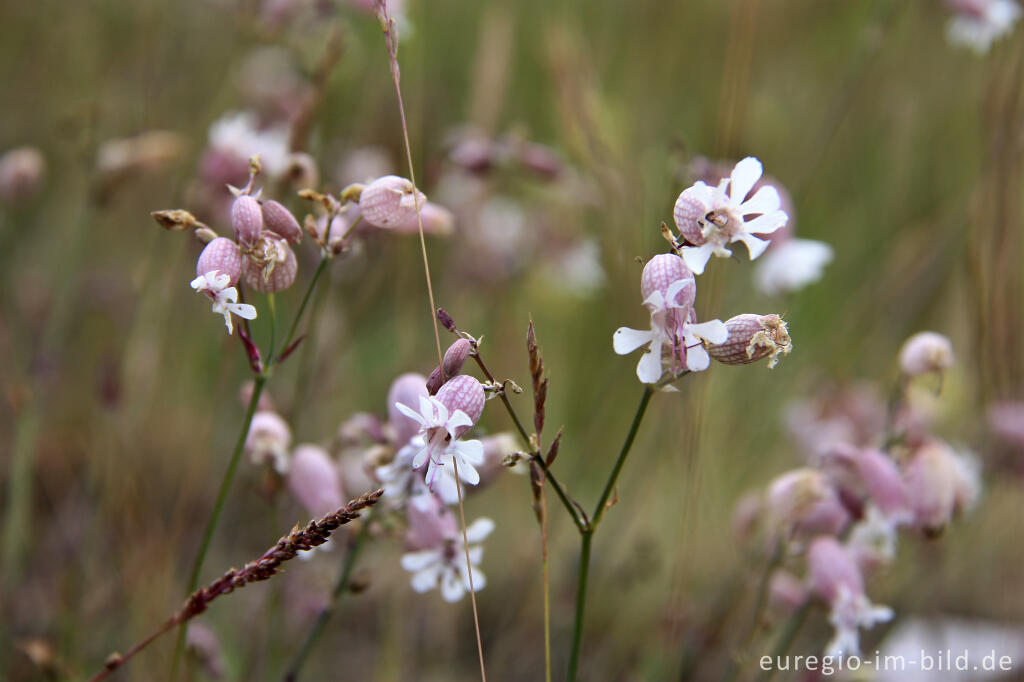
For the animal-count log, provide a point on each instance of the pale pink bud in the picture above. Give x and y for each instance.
(473, 153)
(406, 390)
(266, 403)
(883, 482)
(831, 567)
(246, 219)
(430, 522)
(659, 274)
(314, 480)
(752, 338)
(926, 352)
(496, 448)
(221, 255)
(270, 266)
(202, 642)
(437, 220)
(389, 200)
(22, 171)
(540, 160)
(359, 428)
(1007, 422)
(356, 470)
(268, 440)
(802, 501)
(280, 221)
(931, 478)
(689, 213)
(453, 360)
(786, 592)
(464, 393)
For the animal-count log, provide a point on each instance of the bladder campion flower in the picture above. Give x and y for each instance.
(444, 565)
(216, 285)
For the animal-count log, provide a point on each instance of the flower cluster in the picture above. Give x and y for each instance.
(976, 24)
(861, 485)
(708, 220)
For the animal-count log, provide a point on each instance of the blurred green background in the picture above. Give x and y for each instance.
(900, 151)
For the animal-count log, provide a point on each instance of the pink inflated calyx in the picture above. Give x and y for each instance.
(689, 214)
(406, 389)
(751, 338)
(221, 255)
(314, 480)
(389, 200)
(246, 219)
(270, 264)
(463, 393)
(281, 222)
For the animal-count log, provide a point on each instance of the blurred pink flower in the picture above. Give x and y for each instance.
(445, 565)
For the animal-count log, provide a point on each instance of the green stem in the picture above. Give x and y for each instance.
(305, 302)
(272, 304)
(222, 496)
(581, 595)
(609, 487)
(785, 640)
(588, 532)
(339, 588)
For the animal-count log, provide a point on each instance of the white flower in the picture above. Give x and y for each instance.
(724, 218)
(849, 612)
(237, 133)
(792, 265)
(979, 23)
(225, 298)
(437, 446)
(669, 327)
(445, 565)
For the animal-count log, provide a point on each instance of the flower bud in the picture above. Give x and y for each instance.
(786, 592)
(751, 338)
(221, 255)
(389, 200)
(465, 393)
(926, 352)
(270, 266)
(268, 440)
(360, 428)
(883, 483)
(22, 171)
(661, 272)
(246, 219)
(802, 501)
(1006, 420)
(407, 390)
(689, 213)
(430, 522)
(280, 221)
(314, 480)
(831, 567)
(940, 484)
(455, 357)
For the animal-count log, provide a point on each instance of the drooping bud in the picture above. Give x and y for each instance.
(752, 338)
(689, 213)
(455, 357)
(430, 522)
(832, 568)
(268, 440)
(22, 171)
(221, 255)
(883, 483)
(406, 389)
(926, 352)
(465, 393)
(246, 219)
(314, 480)
(437, 220)
(802, 501)
(280, 221)
(270, 265)
(661, 272)
(786, 592)
(939, 485)
(389, 200)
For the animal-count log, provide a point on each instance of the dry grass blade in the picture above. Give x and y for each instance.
(316, 533)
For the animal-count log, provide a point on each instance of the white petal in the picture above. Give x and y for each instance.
(765, 200)
(243, 310)
(458, 419)
(452, 588)
(410, 413)
(697, 359)
(714, 331)
(744, 176)
(427, 410)
(418, 561)
(421, 456)
(697, 257)
(767, 223)
(655, 301)
(648, 370)
(479, 530)
(754, 245)
(626, 340)
(476, 555)
(445, 486)
(468, 473)
(675, 289)
(479, 580)
(470, 450)
(199, 283)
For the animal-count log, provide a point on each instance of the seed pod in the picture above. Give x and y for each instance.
(270, 266)
(926, 352)
(389, 200)
(280, 221)
(221, 255)
(659, 274)
(246, 219)
(464, 393)
(689, 213)
(752, 338)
